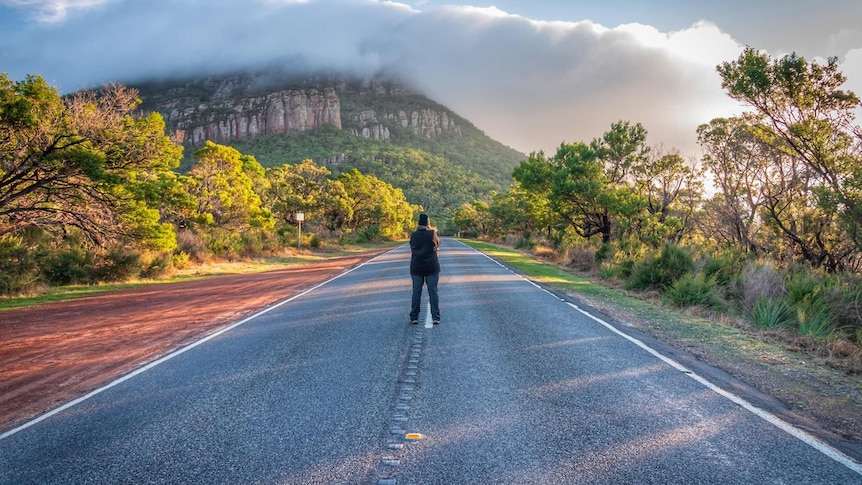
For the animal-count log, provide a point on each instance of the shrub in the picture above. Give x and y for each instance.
(156, 265)
(180, 260)
(68, 266)
(118, 264)
(620, 270)
(724, 267)
(346, 239)
(759, 282)
(767, 313)
(190, 243)
(19, 271)
(225, 244)
(524, 243)
(817, 305)
(315, 242)
(604, 253)
(544, 252)
(252, 243)
(800, 284)
(582, 258)
(813, 312)
(845, 302)
(693, 290)
(368, 234)
(660, 272)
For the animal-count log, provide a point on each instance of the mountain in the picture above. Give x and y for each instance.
(378, 125)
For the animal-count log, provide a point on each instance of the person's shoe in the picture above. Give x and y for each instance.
(436, 322)
(414, 322)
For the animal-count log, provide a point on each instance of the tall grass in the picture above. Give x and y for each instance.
(769, 314)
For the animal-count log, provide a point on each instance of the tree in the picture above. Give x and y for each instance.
(578, 188)
(296, 188)
(734, 156)
(671, 189)
(621, 149)
(472, 218)
(801, 112)
(82, 163)
(221, 185)
(366, 204)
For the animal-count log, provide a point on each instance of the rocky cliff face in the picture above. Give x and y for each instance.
(236, 108)
(423, 122)
(280, 112)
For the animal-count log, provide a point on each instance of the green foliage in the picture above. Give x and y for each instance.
(814, 320)
(845, 302)
(662, 271)
(19, 269)
(767, 314)
(472, 219)
(68, 266)
(809, 295)
(156, 264)
(376, 208)
(221, 181)
(694, 289)
(615, 188)
(119, 264)
(604, 253)
(224, 243)
(802, 284)
(289, 189)
(724, 267)
(807, 154)
(180, 260)
(468, 149)
(428, 180)
(83, 161)
(314, 242)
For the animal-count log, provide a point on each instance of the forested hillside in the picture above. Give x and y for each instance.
(378, 126)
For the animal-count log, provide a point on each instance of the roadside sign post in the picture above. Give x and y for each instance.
(299, 218)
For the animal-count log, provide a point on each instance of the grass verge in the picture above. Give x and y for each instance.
(198, 271)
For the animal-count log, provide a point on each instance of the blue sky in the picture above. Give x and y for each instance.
(531, 74)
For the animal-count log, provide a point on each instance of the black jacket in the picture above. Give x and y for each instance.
(423, 247)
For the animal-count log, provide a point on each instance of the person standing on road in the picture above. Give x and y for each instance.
(424, 268)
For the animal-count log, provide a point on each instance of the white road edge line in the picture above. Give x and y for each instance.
(180, 351)
(797, 433)
(763, 414)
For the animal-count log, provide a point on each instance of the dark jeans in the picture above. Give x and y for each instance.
(431, 282)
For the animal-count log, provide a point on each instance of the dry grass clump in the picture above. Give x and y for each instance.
(760, 282)
(545, 252)
(581, 258)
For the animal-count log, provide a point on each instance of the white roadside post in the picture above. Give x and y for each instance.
(299, 218)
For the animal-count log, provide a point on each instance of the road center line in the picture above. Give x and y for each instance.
(428, 322)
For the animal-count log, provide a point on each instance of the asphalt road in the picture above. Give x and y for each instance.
(515, 386)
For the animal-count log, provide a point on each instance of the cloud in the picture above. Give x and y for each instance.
(530, 84)
(51, 11)
(537, 84)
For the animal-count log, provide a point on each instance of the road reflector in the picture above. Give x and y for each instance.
(414, 436)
